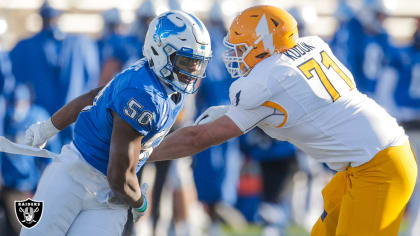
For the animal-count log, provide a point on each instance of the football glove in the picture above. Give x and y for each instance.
(38, 134)
(141, 211)
(211, 114)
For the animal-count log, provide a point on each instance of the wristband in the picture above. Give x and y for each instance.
(143, 206)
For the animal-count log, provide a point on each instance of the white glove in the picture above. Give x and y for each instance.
(211, 114)
(38, 134)
(141, 211)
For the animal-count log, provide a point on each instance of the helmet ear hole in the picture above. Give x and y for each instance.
(172, 58)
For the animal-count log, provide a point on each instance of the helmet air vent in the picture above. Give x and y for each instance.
(262, 55)
(274, 22)
(154, 51)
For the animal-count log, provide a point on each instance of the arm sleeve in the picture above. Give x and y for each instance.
(136, 108)
(247, 119)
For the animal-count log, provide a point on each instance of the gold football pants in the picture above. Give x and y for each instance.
(369, 200)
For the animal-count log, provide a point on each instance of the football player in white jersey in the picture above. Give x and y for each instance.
(296, 90)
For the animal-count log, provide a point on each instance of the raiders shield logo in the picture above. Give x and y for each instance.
(28, 212)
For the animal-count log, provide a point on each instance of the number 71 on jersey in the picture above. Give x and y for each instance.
(326, 60)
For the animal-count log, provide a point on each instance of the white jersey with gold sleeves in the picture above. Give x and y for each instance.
(309, 98)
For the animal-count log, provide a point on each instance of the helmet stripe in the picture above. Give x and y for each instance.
(263, 32)
(197, 21)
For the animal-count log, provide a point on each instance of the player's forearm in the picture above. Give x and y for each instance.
(122, 174)
(128, 190)
(69, 113)
(181, 143)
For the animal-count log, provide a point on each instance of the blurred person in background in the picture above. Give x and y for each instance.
(112, 54)
(135, 40)
(363, 43)
(7, 85)
(36, 62)
(58, 67)
(344, 13)
(171, 182)
(20, 174)
(277, 161)
(216, 170)
(79, 65)
(406, 94)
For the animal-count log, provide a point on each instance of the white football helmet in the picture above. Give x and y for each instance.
(177, 47)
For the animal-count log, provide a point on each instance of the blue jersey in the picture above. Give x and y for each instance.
(262, 147)
(18, 171)
(112, 46)
(216, 169)
(139, 98)
(133, 47)
(365, 55)
(36, 61)
(407, 90)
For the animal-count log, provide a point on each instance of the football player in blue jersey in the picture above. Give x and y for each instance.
(88, 189)
(144, 15)
(40, 56)
(19, 173)
(216, 170)
(407, 100)
(364, 46)
(112, 53)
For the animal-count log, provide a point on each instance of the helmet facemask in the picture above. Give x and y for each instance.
(184, 69)
(234, 58)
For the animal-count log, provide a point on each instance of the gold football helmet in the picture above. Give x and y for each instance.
(257, 33)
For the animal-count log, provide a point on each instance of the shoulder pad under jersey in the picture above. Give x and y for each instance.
(250, 91)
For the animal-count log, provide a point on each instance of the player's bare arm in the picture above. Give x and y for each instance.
(123, 158)
(194, 139)
(38, 134)
(69, 112)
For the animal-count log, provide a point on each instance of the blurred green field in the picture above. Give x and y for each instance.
(254, 230)
(294, 230)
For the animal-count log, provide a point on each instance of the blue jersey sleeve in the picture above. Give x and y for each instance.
(136, 108)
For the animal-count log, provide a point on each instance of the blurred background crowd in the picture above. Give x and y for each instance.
(51, 52)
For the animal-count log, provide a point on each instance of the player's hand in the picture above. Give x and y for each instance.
(38, 134)
(141, 211)
(211, 114)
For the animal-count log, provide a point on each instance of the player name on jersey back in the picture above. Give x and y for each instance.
(299, 50)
